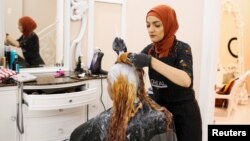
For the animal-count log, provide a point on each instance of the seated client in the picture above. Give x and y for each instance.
(133, 117)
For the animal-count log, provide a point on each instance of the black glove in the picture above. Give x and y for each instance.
(140, 60)
(119, 45)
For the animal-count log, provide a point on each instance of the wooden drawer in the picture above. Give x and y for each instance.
(60, 101)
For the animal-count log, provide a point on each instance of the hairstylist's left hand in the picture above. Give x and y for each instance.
(140, 60)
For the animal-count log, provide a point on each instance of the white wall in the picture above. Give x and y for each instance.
(12, 12)
(246, 14)
(1, 28)
(107, 24)
(209, 59)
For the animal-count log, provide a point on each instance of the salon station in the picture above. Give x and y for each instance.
(46, 103)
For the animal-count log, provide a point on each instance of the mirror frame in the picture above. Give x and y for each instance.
(2, 28)
(232, 7)
(63, 6)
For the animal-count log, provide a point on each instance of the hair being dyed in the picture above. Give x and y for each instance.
(127, 86)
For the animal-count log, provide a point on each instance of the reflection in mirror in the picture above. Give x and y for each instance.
(231, 62)
(49, 16)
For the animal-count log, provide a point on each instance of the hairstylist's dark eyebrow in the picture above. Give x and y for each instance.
(154, 22)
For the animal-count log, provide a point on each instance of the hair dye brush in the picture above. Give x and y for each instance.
(119, 46)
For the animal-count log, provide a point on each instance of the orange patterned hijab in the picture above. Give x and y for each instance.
(168, 17)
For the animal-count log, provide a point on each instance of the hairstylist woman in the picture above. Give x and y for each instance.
(171, 72)
(28, 42)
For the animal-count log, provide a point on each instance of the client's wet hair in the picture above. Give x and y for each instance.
(128, 91)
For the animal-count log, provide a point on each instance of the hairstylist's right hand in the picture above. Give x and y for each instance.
(140, 60)
(119, 45)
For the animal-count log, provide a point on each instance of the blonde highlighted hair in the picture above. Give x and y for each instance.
(128, 90)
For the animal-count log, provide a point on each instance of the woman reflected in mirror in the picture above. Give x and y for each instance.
(28, 42)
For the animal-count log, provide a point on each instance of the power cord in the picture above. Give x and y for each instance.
(19, 120)
(102, 94)
(87, 112)
(100, 99)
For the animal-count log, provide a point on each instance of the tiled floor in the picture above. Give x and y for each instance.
(239, 116)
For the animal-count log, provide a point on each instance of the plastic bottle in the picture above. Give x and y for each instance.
(12, 58)
(7, 56)
(15, 65)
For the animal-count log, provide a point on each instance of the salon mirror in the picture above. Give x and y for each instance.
(228, 33)
(232, 35)
(52, 20)
(231, 50)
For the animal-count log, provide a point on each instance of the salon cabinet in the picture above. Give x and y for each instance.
(8, 102)
(52, 107)
(50, 125)
(102, 103)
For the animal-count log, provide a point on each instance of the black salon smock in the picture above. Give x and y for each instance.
(146, 125)
(180, 101)
(30, 48)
